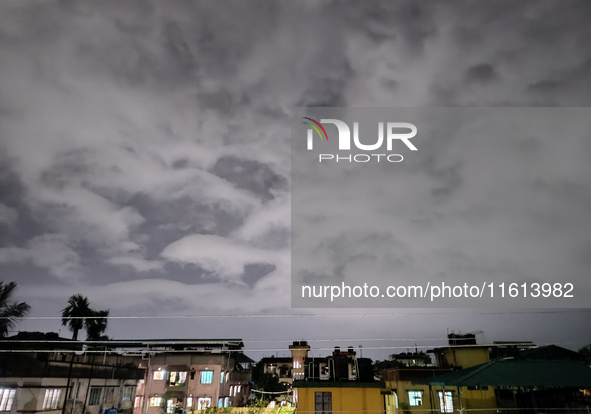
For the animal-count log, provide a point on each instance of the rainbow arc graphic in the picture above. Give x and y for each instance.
(316, 129)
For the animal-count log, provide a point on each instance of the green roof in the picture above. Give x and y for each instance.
(518, 373)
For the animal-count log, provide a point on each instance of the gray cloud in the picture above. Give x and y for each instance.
(131, 127)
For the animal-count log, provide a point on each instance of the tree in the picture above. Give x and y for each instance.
(78, 314)
(10, 312)
(73, 314)
(266, 382)
(95, 327)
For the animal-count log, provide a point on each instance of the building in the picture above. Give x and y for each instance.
(61, 376)
(411, 359)
(339, 382)
(189, 374)
(279, 367)
(544, 379)
(408, 381)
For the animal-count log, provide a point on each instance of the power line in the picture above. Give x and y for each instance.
(309, 315)
(170, 351)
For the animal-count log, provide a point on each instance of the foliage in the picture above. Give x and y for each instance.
(10, 312)
(379, 366)
(95, 327)
(78, 314)
(405, 407)
(586, 350)
(266, 382)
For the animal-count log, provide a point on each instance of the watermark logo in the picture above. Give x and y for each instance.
(390, 132)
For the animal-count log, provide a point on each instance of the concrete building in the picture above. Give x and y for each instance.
(339, 382)
(188, 374)
(60, 376)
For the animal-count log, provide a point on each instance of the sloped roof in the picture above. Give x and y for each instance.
(550, 352)
(519, 373)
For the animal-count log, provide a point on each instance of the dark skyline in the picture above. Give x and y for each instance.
(145, 154)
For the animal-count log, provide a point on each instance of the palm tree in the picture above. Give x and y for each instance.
(95, 327)
(73, 315)
(10, 312)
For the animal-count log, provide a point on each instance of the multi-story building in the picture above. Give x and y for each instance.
(189, 374)
(339, 382)
(45, 373)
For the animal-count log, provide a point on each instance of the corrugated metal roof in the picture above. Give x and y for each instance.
(519, 373)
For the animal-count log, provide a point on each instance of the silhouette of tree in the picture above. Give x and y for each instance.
(10, 312)
(73, 314)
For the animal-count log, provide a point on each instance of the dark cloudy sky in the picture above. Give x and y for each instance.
(145, 157)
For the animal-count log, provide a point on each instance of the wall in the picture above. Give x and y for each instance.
(361, 400)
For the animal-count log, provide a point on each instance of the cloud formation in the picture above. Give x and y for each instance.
(146, 144)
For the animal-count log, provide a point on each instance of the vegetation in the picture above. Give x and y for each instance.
(266, 382)
(78, 314)
(10, 312)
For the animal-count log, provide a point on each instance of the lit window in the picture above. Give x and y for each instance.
(221, 403)
(159, 375)
(137, 402)
(155, 402)
(297, 364)
(226, 402)
(95, 396)
(6, 398)
(396, 399)
(272, 404)
(177, 378)
(189, 402)
(446, 402)
(203, 403)
(52, 399)
(228, 376)
(222, 377)
(295, 395)
(415, 398)
(206, 377)
(169, 407)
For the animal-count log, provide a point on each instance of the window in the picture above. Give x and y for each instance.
(127, 393)
(6, 398)
(226, 402)
(206, 377)
(228, 376)
(95, 396)
(138, 402)
(222, 377)
(169, 406)
(415, 398)
(297, 364)
(396, 399)
(52, 399)
(109, 395)
(159, 375)
(189, 402)
(221, 403)
(323, 402)
(477, 387)
(203, 403)
(446, 402)
(155, 402)
(177, 378)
